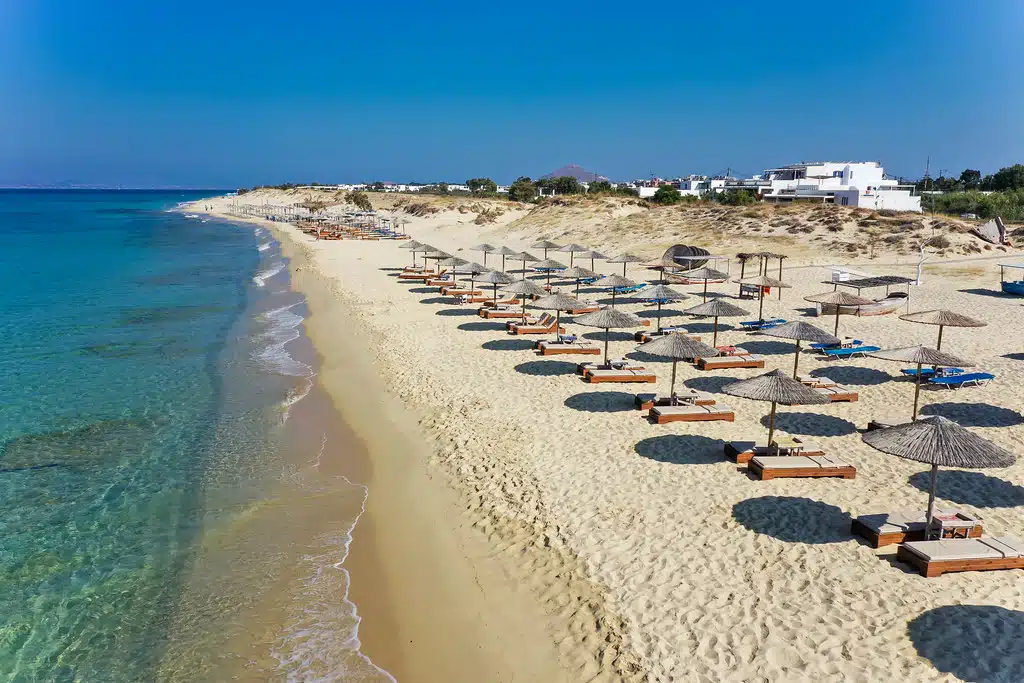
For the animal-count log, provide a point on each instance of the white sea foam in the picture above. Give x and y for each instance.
(273, 356)
(322, 643)
(261, 277)
(264, 246)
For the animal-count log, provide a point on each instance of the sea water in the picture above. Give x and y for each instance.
(165, 512)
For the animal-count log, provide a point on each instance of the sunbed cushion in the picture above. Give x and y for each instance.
(796, 462)
(625, 372)
(953, 549)
(716, 409)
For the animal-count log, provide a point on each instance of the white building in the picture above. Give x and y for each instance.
(847, 183)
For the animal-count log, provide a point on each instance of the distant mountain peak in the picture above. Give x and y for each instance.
(577, 172)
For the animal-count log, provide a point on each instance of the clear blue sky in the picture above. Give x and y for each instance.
(223, 94)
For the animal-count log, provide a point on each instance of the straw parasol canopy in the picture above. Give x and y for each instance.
(705, 274)
(413, 246)
(572, 249)
(660, 294)
(624, 259)
(921, 355)
(485, 249)
(613, 282)
(607, 318)
(578, 273)
(557, 303)
(524, 289)
(472, 269)
(716, 308)
(938, 442)
(495, 278)
(503, 252)
(592, 255)
(545, 245)
(677, 346)
(800, 331)
(524, 256)
(762, 281)
(942, 319)
(426, 249)
(775, 387)
(453, 262)
(837, 299)
(548, 265)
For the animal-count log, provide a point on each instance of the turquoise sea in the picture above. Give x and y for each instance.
(163, 511)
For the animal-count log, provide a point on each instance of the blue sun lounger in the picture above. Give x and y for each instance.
(928, 373)
(822, 347)
(962, 379)
(762, 324)
(630, 289)
(850, 351)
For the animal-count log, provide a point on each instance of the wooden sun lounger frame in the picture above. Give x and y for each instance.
(494, 313)
(567, 349)
(879, 540)
(933, 568)
(648, 401)
(710, 416)
(626, 377)
(845, 472)
(743, 457)
(729, 362)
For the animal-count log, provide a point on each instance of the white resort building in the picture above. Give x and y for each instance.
(846, 183)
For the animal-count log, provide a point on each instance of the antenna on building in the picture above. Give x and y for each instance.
(927, 169)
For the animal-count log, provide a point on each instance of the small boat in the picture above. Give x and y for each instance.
(1014, 287)
(890, 303)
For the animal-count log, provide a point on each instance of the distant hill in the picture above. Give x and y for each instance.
(577, 172)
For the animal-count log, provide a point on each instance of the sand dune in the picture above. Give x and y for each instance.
(655, 558)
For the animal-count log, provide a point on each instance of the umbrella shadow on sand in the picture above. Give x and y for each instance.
(808, 311)
(546, 368)
(681, 449)
(1014, 356)
(612, 336)
(971, 488)
(602, 402)
(423, 290)
(712, 383)
(978, 643)
(482, 327)
(438, 300)
(794, 520)
(854, 376)
(975, 414)
(812, 424)
(706, 328)
(986, 292)
(507, 345)
(767, 347)
(455, 312)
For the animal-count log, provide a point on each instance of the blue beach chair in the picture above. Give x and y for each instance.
(762, 324)
(928, 373)
(822, 347)
(850, 352)
(962, 379)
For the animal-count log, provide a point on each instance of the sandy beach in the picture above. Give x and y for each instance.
(524, 525)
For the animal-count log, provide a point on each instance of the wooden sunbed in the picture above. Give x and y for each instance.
(423, 276)
(686, 397)
(455, 290)
(721, 362)
(419, 270)
(694, 413)
(889, 528)
(489, 302)
(934, 558)
(589, 308)
(643, 337)
(579, 346)
(799, 466)
(613, 364)
(621, 376)
(438, 282)
(745, 451)
(485, 312)
(545, 325)
(839, 393)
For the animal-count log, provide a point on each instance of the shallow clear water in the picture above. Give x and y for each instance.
(163, 515)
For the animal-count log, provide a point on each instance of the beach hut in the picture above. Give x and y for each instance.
(839, 299)
(614, 282)
(942, 319)
(572, 249)
(660, 294)
(762, 281)
(626, 259)
(716, 308)
(677, 346)
(557, 302)
(800, 331)
(545, 245)
(938, 442)
(921, 356)
(607, 319)
(775, 388)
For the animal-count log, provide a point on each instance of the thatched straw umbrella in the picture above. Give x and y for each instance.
(661, 265)
(524, 256)
(762, 281)
(453, 262)
(921, 355)
(838, 299)
(614, 281)
(579, 273)
(426, 249)
(607, 318)
(942, 319)
(677, 346)
(625, 259)
(438, 256)
(545, 245)
(572, 249)
(413, 246)
(557, 302)
(743, 257)
(548, 265)
(523, 290)
(504, 252)
(472, 269)
(485, 249)
(775, 387)
(716, 308)
(592, 255)
(938, 441)
(660, 294)
(497, 277)
(705, 274)
(800, 331)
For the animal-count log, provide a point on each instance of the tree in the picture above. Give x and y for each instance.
(377, 186)
(599, 186)
(522, 190)
(667, 194)
(970, 178)
(314, 206)
(737, 197)
(481, 185)
(360, 199)
(1009, 178)
(567, 184)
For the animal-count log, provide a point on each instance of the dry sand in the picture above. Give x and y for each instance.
(644, 553)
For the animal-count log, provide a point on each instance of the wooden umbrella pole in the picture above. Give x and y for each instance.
(796, 358)
(933, 480)
(495, 294)
(558, 322)
(672, 385)
(760, 309)
(836, 331)
(606, 330)
(780, 279)
(577, 288)
(938, 344)
(917, 392)
(705, 290)
(743, 268)
(771, 428)
(714, 337)
(659, 315)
